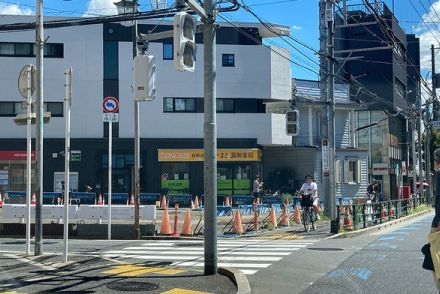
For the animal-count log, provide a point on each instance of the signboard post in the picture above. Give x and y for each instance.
(110, 108)
(325, 158)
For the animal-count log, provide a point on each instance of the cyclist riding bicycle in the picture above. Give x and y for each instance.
(309, 194)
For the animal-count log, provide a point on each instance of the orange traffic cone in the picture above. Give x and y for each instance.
(285, 218)
(227, 201)
(1, 200)
(100, 199)
(131, 200)
(392, 211)
(187, 224)
(348, 220)
(296, 215)
(238, 226)
(273, 218)
(196, 202)
(163, 203)
(382, 213)
(33, 199)
(165, 228)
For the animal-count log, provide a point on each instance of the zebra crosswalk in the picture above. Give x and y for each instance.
(246, 255)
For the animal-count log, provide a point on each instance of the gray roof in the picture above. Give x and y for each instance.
(308, 92)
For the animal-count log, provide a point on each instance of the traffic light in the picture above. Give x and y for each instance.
(184, 41)
(144, 78)
(292, 122)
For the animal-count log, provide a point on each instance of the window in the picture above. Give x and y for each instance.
(338, 171)
(228, 59)
(55, 108)
(225, 105)
(14, 108)
(352, 171)
(168, 51)
(399, 88)
(179, 104)
(28, 50)
(174, 177)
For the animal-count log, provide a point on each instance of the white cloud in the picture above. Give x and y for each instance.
(296, 27)
(428, 37)
(100, 7)
(13, 9)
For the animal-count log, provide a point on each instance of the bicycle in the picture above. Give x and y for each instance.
(309, 214)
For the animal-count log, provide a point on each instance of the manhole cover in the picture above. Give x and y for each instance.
(132, 286)
(326, 249)
(188, 244)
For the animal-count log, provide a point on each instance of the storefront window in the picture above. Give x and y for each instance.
(233, 179)
(174, 178)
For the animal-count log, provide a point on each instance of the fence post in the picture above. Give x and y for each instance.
(364, 213)
(354, 217)
(380, 212)
(389, 209)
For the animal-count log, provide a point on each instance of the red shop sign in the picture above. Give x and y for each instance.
(15, 155)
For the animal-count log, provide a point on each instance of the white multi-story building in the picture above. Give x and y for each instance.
(249, 75)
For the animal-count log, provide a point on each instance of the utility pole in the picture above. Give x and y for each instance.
(39, 133)
(210, 139)
(328, 107)
(419, 141)
(68, 102)
(137, 156)
(428, 125)
(413, 150)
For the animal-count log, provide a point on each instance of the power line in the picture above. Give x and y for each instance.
(423, 21)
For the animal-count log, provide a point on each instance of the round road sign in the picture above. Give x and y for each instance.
(110, 104)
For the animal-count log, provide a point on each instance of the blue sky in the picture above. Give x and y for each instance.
(300, 15)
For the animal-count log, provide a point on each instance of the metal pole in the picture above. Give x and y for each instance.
(210, 140)
(323, 92)
(39, 134)
(68, 104)
(428, 129)
(137, 156)
(109, 201)
(28, 160)
(414, 154)
(331, 117)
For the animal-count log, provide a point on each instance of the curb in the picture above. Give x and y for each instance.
(377, 227)
(238, 278)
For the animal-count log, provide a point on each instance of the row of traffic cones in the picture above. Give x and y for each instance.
(285, 219)
(101, 201)
(165, 228)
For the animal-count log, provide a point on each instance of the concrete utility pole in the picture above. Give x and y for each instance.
(413, 150)
(39, 45)
(419, 143)
(137, 156)
(210, 139)
(67, 107)
(328, 109)
(428, 126)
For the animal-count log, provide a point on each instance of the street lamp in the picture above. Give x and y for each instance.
(131, 7)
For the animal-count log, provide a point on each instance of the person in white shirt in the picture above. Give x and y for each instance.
(256, 187)
(309, 188)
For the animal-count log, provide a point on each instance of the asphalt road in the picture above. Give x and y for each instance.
(387, 261)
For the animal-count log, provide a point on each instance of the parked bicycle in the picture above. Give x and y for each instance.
(309, 215)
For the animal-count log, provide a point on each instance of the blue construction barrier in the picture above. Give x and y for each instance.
(242, 200)
(149, 198)
(184, 200)
(271, 200)
(15, 197)
(51, 197)
(117, 198)
(83, 198)
(246, 209)
(263, 208)
(224, 210)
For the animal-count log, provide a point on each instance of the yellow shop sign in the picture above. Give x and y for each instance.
(198, 155)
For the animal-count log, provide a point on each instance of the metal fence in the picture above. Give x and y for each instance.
(360, 216)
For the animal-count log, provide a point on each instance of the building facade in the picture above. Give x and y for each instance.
(249, 75)
(386, 62)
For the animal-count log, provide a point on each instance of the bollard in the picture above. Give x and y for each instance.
(256, 213)
(176, 215)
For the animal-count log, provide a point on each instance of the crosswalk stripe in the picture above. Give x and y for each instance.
(246, 255)
(179, 257)
(200, 252)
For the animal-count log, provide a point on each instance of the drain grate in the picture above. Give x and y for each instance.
(132, 286)
(326, 249)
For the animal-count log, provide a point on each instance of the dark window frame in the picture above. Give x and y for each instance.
(228, 100)
(46, 106)
(172, 51)
(227, 61)
(174, 105)
(57, 47)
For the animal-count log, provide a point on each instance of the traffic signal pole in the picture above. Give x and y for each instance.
(210, 140)
(39, 133)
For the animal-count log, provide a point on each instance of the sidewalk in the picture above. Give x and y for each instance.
(85, 274)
